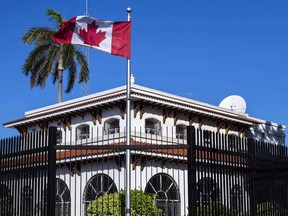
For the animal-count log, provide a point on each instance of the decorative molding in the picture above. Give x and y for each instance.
(122, 110)
(138, 107)
(176, 117)
(190, 120)
(44, 126)
(200, 123)
(66, 121)
(227, 128)
(241, 131)
(118, 162)
(143, 162)
(166, 114)
(96, 116)
(134, 162)
(75, 168)
(219, 126)
(22, 130)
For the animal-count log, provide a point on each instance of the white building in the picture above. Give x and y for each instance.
(155, 115)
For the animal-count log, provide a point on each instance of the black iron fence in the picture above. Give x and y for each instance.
(207, 173)
(93, 171)
(236, 176)
(27, 170)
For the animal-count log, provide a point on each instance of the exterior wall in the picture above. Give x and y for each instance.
(77, 183)
(137, 124)
(268, 132)
(139, 179)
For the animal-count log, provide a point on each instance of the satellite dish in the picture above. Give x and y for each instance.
(234, 103)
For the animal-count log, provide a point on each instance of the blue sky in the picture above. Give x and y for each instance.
(202, 49)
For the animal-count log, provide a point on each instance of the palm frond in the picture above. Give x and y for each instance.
(84, 69)
(71, 76)
(44, 60)
(70, 65)
(33, 59)
(38, 36)
(55, 74)
(39, 64)
(55, 16)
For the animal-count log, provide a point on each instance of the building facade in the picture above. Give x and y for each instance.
(156, 118)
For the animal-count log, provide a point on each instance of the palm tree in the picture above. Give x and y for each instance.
(51, 59)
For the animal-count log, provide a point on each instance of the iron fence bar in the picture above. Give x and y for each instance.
(191, 141)
(253, 191)
(257, 167)
(52, 137)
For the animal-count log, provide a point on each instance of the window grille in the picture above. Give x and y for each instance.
(63, 199)
(208, 191)
(181, 131)
(167, 193)
(98, 185)
(111, 126)
(152, 126)
(82, 132)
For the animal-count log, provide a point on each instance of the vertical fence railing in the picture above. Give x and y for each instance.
(208, 174)
(52, 137)
(236, 176)
(92, 170)
(269, 178)
(191, 160)
(252, 177)
(26, 175)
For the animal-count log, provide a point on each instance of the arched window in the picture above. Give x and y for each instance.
(111, 126)
(6, 203)
(207, 191)
(236, 195)
(82, 132)
(26, 201)
(152, 126)
(181, 131)
(98, 185)
(62, 199)
(167, 193)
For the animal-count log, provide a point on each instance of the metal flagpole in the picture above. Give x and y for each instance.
(128, 131)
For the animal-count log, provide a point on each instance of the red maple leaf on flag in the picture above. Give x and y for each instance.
(91, 36)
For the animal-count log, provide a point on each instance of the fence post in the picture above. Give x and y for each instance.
(52, 137)
(191, 141)
(253, 191)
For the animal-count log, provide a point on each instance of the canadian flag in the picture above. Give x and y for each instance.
(108, 36)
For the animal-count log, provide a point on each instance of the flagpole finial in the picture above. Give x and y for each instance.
(129, 10)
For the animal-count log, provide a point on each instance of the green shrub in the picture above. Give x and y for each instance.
(216, 209)
(270, 208)
(114, 204)
(210, 209)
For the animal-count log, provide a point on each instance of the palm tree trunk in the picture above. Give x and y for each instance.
(60, 85)
(60, 75)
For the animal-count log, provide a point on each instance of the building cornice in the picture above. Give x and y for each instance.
(112, 96)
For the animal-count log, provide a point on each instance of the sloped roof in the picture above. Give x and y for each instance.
(114, 96)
